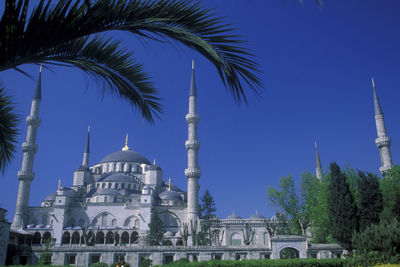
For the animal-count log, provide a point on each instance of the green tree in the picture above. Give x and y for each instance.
(370, 196)
(207, 213)
(72, 33)
(342, 208)
(390, 186)
(294, 206)
(155, 234)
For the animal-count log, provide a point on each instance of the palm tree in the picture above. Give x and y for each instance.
(70, 33)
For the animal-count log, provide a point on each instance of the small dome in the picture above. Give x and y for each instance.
(51, 197)
(168, 234)
(178, 234)
(125, 156)
(116, 177)
(40, 226)
(107, 191)
(234, 216)
(170, 195)
(30, 226)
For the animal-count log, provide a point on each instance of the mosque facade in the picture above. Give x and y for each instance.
(104, 215)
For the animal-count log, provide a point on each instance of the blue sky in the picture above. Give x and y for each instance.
(316, 64)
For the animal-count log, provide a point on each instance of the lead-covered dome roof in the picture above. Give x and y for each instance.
(116, 177)
(125, 156)
(51, 197)
(234, 216)
(170, 195)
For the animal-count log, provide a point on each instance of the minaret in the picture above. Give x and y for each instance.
(29, 148)
(318, 168)
(85, 161)
(383, 141)
(192, 172)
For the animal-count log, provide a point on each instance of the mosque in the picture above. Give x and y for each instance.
(104, 215)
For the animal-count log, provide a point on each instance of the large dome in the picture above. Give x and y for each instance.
(125, 156)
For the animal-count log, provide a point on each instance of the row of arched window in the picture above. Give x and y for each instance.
(38, 239)
(131, 186)
(99, 238)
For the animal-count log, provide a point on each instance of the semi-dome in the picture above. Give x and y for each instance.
(116, 177)
(170, 195)
(125, 156)
(108, 191)
(234, 216)
(51, 197)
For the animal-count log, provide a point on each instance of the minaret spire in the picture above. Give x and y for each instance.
(85, 161)
(29, 148)
(383, 141)
(318, 168)
(192, 172)
(126, 147)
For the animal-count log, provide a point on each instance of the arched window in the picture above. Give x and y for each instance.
(122, 186)
(113, 222)
(129, 186)
(179, 243)
(75, 238)
(167, 243)
(110, 238)
(288, 253)
(109, 185)
(103, 185)
(66, 238)
(116, 185)
(36, 238)
(125, 238)
(236, 240)
(46, 237)
(134, 237)
(100, 237)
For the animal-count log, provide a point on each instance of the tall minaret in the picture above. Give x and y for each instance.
(192, 172)
(85, 161)
(383, 141)
(29, 148)
(318, 168)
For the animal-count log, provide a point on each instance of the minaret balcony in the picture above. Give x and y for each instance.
(383, 141)
(192, 118)
(33, 120)
(192, 144)
(29, 147)
(22, 175)
(192, 173)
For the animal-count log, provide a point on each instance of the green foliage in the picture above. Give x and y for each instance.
(72, 33)
(390, 186)
(99, 264)
(370, 197)
(352, 179)
(45, 258)
(382, 240)
(297, 208)
(8, 130)
(146, 263)
(264, 263)
(155, 234)
(207, 206)
(124, 263)
(279, 225)
(342, 209)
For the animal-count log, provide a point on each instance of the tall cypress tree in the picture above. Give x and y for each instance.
(342, 208)
(155, 234)
(207, 213)
(371, 203)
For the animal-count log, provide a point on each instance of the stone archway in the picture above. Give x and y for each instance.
(289, 253)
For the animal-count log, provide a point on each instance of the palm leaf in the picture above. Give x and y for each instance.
(8, 130)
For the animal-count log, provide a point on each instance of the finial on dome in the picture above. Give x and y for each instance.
(59, 183)
(154, 162)
(169, 184)
(126, 147)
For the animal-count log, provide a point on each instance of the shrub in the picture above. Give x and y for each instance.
(146, 263)
(124, 263)
(99, 264)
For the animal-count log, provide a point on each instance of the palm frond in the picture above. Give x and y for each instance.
(184, 21)
(8, 130)
(113, 68)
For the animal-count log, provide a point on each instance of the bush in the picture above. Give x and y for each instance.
(378, 244)
(99, 264)
(264, 263)
(45, 258)
(124, 263)
(146, 263)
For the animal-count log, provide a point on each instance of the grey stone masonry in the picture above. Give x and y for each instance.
(29, 148)
(192, 172)
(383, 141)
